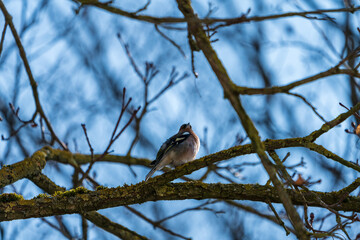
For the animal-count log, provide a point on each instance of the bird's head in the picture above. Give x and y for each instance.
(185, 127)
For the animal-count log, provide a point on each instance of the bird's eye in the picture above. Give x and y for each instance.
(183, 126)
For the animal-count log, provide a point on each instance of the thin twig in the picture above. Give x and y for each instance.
(139, 214)
(24, 122)
(115, 134)
(88, 142)
(200, 207)
(280, 222)
(132, 61)
(309, 104)
(170, 40)
(143, 8)
(173, 80)
(3, 37)
(59, 229)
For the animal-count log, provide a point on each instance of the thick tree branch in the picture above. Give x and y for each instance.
(81, 200)
(28, 167)
(99, 220)
(209, 21)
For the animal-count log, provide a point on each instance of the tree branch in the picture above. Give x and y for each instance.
(99, 220)
(81, 200)
(39, 109)
(209, 21)
(28, 167)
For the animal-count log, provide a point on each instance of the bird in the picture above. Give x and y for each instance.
(177, 150)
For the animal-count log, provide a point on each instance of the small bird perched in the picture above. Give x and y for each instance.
(177, 150)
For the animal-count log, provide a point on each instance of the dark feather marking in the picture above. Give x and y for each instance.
(169, 144)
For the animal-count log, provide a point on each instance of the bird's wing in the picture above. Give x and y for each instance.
(169, 144)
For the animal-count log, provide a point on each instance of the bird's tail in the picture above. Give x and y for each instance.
(152, 171)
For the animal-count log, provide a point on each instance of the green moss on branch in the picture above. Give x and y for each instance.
(81, 202)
